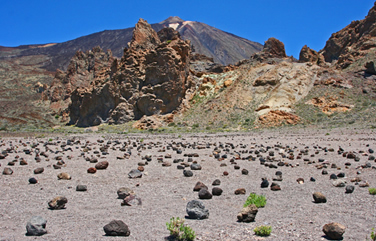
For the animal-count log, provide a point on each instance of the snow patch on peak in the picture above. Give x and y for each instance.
(174, 25)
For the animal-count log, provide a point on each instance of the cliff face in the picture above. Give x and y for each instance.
(354, 45)
(151, 78)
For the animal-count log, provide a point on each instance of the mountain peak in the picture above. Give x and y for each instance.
(172, 19)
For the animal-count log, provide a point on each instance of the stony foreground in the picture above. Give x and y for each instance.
(165, 191)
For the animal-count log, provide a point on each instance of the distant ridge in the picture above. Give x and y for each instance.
(225, 48)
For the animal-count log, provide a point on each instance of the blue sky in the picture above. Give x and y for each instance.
(294, 22)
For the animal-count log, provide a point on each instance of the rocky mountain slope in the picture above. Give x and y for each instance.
(223, 47)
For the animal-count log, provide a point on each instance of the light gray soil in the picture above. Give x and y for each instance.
(165, 191)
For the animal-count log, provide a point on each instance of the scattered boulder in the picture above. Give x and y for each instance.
(81, 188)
(216, 191)
(349, 189)
(92, 170)
(199, 186)
(204, 194)
(188, 173)
(196, 166)
(123, 192)
(334, 230)
(38, 170)
(7, 171)
(318, 197)
(196, 210)
(135, 173)
(101, 165)
(131, 200)
(33, 180)
(240, 191)
(64, 176)
(36, 226)
(264, 183)
(275, 187)
(116, 228)
(248, 214)
(57, 203)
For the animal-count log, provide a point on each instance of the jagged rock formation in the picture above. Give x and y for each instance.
(82, 69)
(309, 55)
(151, 78)
(273, 48)
(353, 46)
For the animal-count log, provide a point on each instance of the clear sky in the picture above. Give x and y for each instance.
(294, 22)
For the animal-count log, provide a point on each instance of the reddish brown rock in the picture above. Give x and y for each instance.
(101, 165)
(92, 170)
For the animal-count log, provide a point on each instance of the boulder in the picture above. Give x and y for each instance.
(116, 228)
(334, 230)
(248, 214)
(57, 203)
(196, 210)
(204, 194)
(36, 226)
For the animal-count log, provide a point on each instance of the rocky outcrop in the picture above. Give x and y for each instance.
(273, 48)
(83, 68)
(309, 55)
(354, 45)
(151, 78)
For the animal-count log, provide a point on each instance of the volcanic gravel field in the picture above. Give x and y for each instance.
(165, 191)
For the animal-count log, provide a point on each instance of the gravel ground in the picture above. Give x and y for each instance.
(165, 191)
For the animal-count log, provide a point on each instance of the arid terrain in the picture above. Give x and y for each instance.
(165, 191)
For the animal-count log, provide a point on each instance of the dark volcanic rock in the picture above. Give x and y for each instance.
(81, 188)
(196, 210)
(36, 226)
(32, 180)
(199, 186)
(264, 183)
(216, 191)
(116, 228)
(216, 182)
(349, 189)
(275, 187)
(123, 192)
(188, 173)
(204, 194)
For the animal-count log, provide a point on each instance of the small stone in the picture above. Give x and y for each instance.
(57, 203)
(339, 183)
(334, 230)
(312, 179)
(101, 165)
(333, 176)
(123, 192)
(81, 188)
(216, 191)
(264, 183)
(141, 168)
(245, 172)
(36, 226)
(275, 187)
(134, 173)
(188, 173)
(92, 170)
(248, 214)
(196, 166)
(166, 164)
(240, 191)
(341, 174)
(363, 184)
(199, 186)
(196, 210)
(324, 172)
(38, 170)
(23, 162)
(131, 200)
(32, 180)
(225, 173)
(116, 228)
(216, 182)
(7, 171)
(300, 180)
(204, 194)
(64, 176)
(349, 189)
(318, 197)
